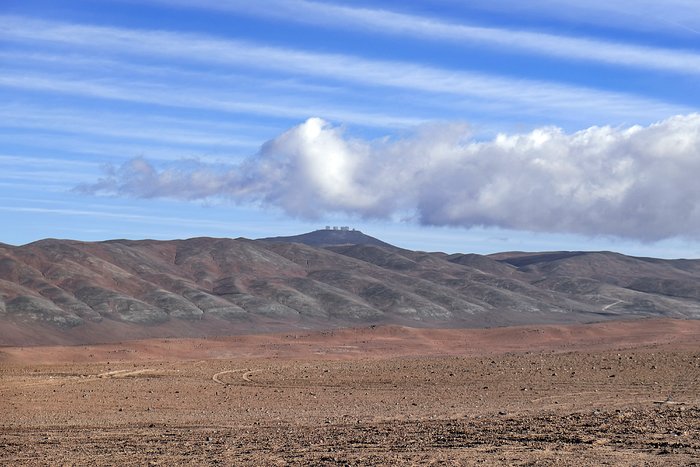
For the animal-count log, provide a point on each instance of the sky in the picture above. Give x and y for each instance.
(439, 125)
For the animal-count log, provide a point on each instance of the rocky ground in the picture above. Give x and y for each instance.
(362, 397)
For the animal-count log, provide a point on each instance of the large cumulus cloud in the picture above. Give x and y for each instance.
(635, 182)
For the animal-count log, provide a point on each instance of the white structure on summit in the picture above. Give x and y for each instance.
(343, 228)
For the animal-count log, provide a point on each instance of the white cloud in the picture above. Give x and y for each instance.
(636, 182)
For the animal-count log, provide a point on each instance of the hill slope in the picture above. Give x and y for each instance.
(62, 291)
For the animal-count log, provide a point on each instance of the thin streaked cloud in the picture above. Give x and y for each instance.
(98, 150)
(121, 127)
(148, 218)
(522, 95)
(28, 160)
(675, 17)
(194, 98)
(383, 21)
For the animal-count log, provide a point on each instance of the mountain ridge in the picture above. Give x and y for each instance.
(85, 292)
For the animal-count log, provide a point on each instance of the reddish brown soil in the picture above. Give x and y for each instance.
(613, 393)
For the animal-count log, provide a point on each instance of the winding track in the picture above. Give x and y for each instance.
(78, 379)
(246, 376)
(216, 379)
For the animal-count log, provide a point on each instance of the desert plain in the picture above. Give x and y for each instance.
(614, 393)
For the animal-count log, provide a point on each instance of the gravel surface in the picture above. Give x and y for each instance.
(633, 406)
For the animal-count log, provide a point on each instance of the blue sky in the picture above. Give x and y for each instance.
(495, 126)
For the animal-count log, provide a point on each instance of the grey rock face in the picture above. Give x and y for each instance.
(39, 309)
(68, 302)
(175, 305)
(120, 307)
(261, 306)
(213, 305)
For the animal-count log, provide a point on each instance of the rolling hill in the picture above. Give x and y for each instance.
(63, 291)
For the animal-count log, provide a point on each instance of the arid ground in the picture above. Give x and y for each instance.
(623, 393)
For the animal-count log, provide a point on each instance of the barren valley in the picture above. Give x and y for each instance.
(622, 393)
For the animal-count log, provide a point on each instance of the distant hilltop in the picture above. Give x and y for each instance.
(331, 235)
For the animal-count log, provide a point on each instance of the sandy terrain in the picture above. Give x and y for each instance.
(615, 393)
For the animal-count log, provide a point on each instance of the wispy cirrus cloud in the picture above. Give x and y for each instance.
(180, 132)
(172, 95)
(486, 91)
(121, 216)
(678, 17)
(381, 21)
(635, 182)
